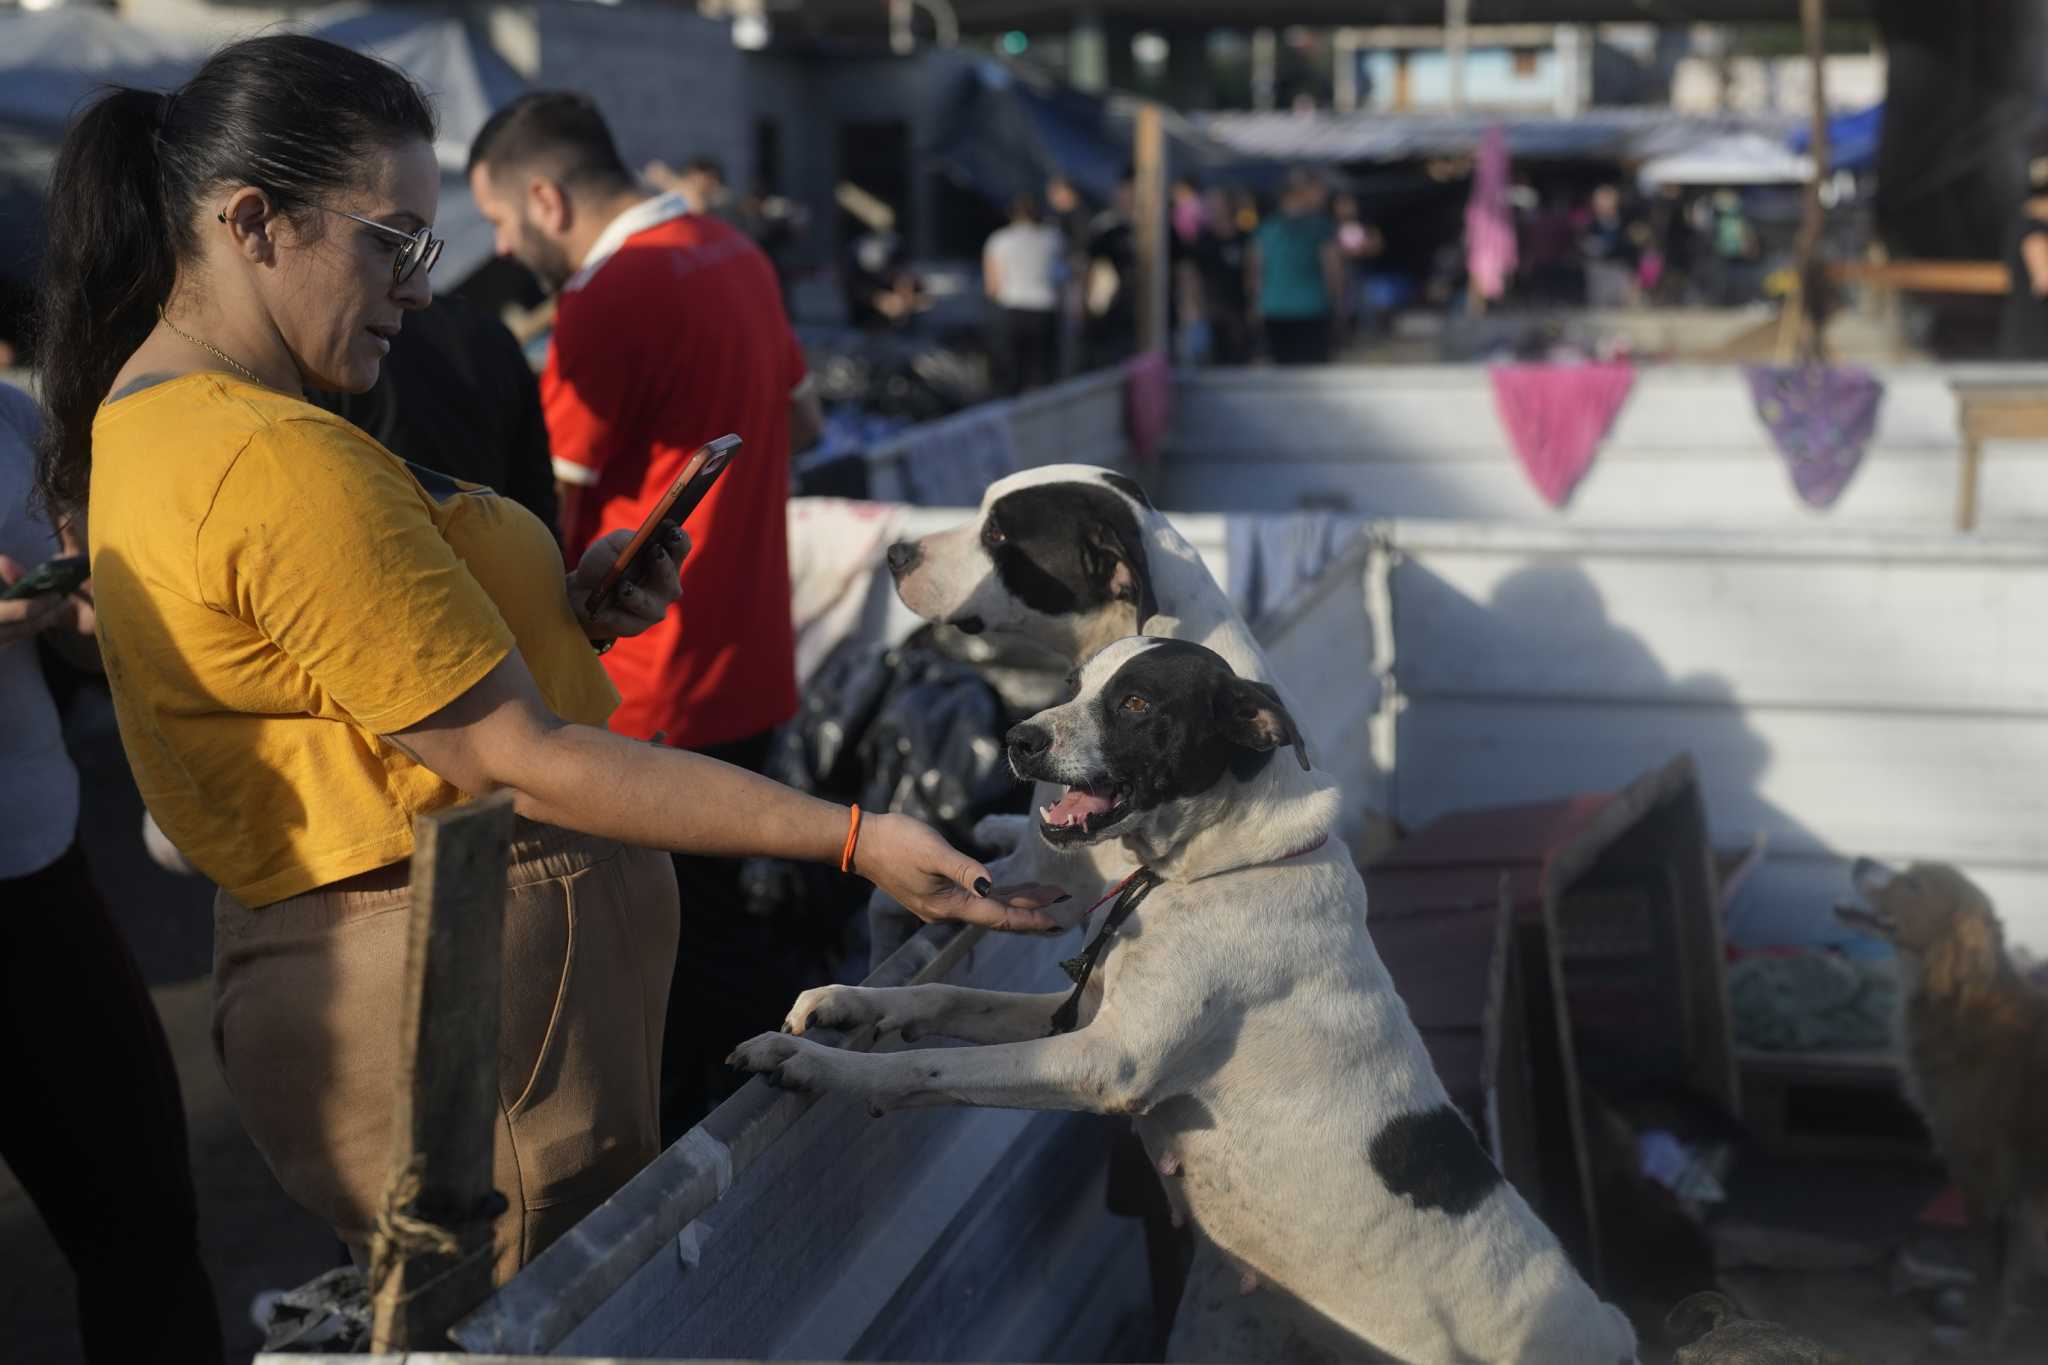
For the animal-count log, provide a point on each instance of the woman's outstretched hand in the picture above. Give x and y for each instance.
(935, 881)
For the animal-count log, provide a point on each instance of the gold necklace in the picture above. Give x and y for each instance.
(232, 363)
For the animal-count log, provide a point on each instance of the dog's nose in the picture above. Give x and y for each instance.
(904, 556)
(1028, 741)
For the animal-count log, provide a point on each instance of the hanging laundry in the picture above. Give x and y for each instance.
(1272, 556)
(1148, 404)
(1820, 417)
(949, 462)
(1557, 415)
(1489, 225)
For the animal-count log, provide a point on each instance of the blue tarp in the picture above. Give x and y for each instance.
(1852, 139)
(51, 63)
(1007, 130)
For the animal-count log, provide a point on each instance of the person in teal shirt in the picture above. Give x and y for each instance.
(1295, 273)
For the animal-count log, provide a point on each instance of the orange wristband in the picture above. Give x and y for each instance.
(852, 840)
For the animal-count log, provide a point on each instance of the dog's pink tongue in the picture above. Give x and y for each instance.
(1077, 805)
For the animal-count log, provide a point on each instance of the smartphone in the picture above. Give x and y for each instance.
(60, 576)
(699, 472)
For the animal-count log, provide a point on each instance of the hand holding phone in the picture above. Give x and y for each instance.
(699, 472)
(58, 577)
(39, 599)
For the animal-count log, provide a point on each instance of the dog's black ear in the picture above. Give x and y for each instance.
(1251, 716)
(1115, 563)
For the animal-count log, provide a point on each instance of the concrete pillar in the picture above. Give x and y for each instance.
(1457, 42)
(1088, 53)
(1571, 96)
(1344, 82)
(1265, 68)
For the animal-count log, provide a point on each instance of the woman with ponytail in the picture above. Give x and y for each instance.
(310, 643)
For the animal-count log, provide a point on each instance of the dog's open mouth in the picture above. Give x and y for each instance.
(1863, 919)
(1085, 812)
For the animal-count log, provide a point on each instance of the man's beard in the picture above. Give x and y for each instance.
(547, 260)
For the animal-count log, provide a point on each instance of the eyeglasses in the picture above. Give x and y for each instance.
(420, 251)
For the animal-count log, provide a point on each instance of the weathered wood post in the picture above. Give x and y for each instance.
(432, 1254)
(1149, 223)
(1812, 301)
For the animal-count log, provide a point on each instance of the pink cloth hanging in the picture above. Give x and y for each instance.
(1148, 403)
(1489, 225)
(1557, 415)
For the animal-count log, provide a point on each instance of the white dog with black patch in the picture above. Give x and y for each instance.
(1234, 1005)
(1070, 557)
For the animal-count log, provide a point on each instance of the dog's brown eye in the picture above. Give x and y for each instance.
(993, 534)
(1136, 704)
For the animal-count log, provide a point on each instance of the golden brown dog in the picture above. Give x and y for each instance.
(1715, 1332)
(1974, 1038)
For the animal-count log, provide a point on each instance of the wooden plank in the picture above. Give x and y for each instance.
(1927, 277)
(1149, 223)
(434, 1249)
(1735, 489)
(1425, 413)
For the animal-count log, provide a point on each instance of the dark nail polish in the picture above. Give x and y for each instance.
(982, 886)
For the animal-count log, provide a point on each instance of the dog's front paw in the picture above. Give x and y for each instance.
(847, 1009)
(784, 1062)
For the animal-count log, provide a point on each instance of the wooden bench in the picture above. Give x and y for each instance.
(1993, 412)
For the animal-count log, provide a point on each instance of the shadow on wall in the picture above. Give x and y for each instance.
(1538, 693)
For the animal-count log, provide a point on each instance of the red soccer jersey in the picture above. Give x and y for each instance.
(671, 334)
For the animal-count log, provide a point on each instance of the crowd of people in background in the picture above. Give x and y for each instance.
(1283, 281)
(1296, 275)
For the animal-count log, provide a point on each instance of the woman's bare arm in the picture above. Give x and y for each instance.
(501, 734)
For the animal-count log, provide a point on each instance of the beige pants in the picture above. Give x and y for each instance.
(305, 1024)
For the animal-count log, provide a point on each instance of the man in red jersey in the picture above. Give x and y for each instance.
(669, 331)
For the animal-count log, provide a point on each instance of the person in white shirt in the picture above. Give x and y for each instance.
(1022, 268)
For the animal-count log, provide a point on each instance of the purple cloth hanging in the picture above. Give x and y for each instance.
(1820, 417)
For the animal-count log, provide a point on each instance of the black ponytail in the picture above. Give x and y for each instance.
(299, 118)
(109, 261)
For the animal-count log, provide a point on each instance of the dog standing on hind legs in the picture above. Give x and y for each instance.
(1233, 1005)
(1070, 557)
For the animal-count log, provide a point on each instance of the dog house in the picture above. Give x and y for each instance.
(1548, 949)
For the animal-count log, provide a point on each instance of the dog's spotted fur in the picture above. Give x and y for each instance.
(1243, 1018)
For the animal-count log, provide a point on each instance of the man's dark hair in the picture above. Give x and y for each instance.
(558, 129)
(706, 165)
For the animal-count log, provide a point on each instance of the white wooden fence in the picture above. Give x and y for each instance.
(1687, 450)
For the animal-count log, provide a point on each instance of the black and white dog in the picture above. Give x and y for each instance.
(1070, 557)
(1238, 1011)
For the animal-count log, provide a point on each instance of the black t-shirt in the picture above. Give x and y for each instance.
(1219, 260)
(457, 396)
(1111, 239)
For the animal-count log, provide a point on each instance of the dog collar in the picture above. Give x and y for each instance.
(1128, 893)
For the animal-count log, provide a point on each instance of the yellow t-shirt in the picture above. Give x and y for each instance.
(276, 590)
